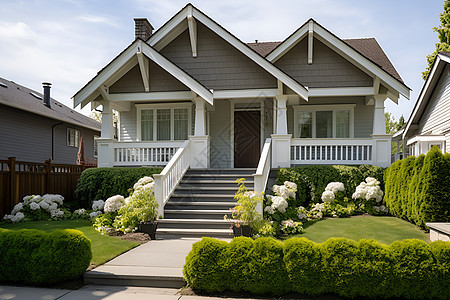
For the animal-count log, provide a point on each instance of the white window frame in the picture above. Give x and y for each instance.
(333, 108)
(155, 107)
(73, 132)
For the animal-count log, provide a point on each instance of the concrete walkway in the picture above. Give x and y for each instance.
(158, 263)
(91, 292)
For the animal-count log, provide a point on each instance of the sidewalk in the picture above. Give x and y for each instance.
(93, 292)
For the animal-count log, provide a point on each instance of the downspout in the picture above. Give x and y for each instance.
(53, 137)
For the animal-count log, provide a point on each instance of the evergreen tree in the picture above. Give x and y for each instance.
(443, 31)
(401, 123)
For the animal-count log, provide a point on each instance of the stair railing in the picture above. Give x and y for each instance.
(262, 172)
(170, 176)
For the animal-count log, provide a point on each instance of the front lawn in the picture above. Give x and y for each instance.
(383, 229)
(104, 247)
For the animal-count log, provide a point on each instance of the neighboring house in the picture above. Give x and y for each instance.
(319, 98)
(35, 127)
(429, 123)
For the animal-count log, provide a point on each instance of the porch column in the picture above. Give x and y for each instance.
(105, 142)
(199, 141)
(381, 153)
(281, 140)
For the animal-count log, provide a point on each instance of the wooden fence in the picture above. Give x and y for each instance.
(18, 179)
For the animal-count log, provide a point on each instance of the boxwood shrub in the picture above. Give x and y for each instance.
(312, 180)
(410, 269)
(417, 188)
(39, 258)
(102, 183)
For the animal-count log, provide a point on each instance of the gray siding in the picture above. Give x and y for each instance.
(218, 65)
(436, 116)
(268, 117)
(28, 137)
(128, 125)
(363, 113)
(220, 133)
(328, 69)
(160, 81)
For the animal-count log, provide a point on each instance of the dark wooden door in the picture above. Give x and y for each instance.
(247, 138)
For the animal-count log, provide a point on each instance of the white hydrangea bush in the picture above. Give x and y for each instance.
(334, 190)
(37, 207)
(114, 203)
(370, 195)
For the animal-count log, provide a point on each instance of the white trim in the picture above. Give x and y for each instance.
(118, 64)
(425, 94)
(262, 62)
(426, 138)
(155, 107)
(334, 108)
(343, 49)
(192, 25)
(310, 41)
(252, 93)
(169, 31)
(352, 91)
(152, 96)
(233, 109)
(143, 66)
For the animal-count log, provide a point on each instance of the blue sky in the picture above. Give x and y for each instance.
(67, 42)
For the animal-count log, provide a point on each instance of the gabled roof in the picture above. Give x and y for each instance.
(367, 55)
(125, 56)
(176, 25)
(442, 59)
(368, 47)
(20, 97)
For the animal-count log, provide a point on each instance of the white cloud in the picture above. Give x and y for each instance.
(96, 20)
(16, 31)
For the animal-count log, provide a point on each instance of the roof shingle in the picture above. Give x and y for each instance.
(20, 97)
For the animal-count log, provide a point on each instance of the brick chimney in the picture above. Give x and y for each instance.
(142, 28)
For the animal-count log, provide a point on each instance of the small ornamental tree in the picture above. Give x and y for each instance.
(406, 171)
(414, 188)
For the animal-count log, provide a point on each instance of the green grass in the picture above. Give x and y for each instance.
(104, 247)
(385, 230)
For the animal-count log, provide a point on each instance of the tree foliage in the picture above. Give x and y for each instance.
(443, 31)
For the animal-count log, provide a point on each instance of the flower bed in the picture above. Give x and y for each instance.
(411, 269)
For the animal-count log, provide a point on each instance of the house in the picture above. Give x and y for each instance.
(429, 123)
(193, 96)
(36, 127)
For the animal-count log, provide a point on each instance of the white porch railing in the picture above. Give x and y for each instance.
(144, 153)
(168, 179)
(331, 151)
(262, 172)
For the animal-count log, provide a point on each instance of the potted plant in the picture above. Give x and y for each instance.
(244, 216)
(139, 213)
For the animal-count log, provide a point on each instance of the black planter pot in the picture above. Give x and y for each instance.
(148, 228)
(243, 230)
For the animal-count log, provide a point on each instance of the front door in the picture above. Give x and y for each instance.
(247, 138)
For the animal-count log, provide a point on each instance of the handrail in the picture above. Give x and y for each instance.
(169, 178)
(262, 172)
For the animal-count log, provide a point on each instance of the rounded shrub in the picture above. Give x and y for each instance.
(441, 251)
(237, 258)
(303, 261)
(413, 268)
(102, 183)
(340, 263)
(39, 258)
(372, 275)
(204, 269)
(268, 273)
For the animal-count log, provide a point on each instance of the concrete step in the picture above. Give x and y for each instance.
(195, 232)
(240, 171)
(132, 279)
(199, 205)
(213, 182)
(193, 223)
(199, 189)
(216, 214)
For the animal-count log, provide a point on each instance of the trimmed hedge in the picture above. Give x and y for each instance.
(38, 258)
(417, 188)
(102, 183)
(312, 180)
(410, 269)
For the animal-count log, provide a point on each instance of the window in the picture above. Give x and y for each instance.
(73, 137)
(324, 121)
(163, 122)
